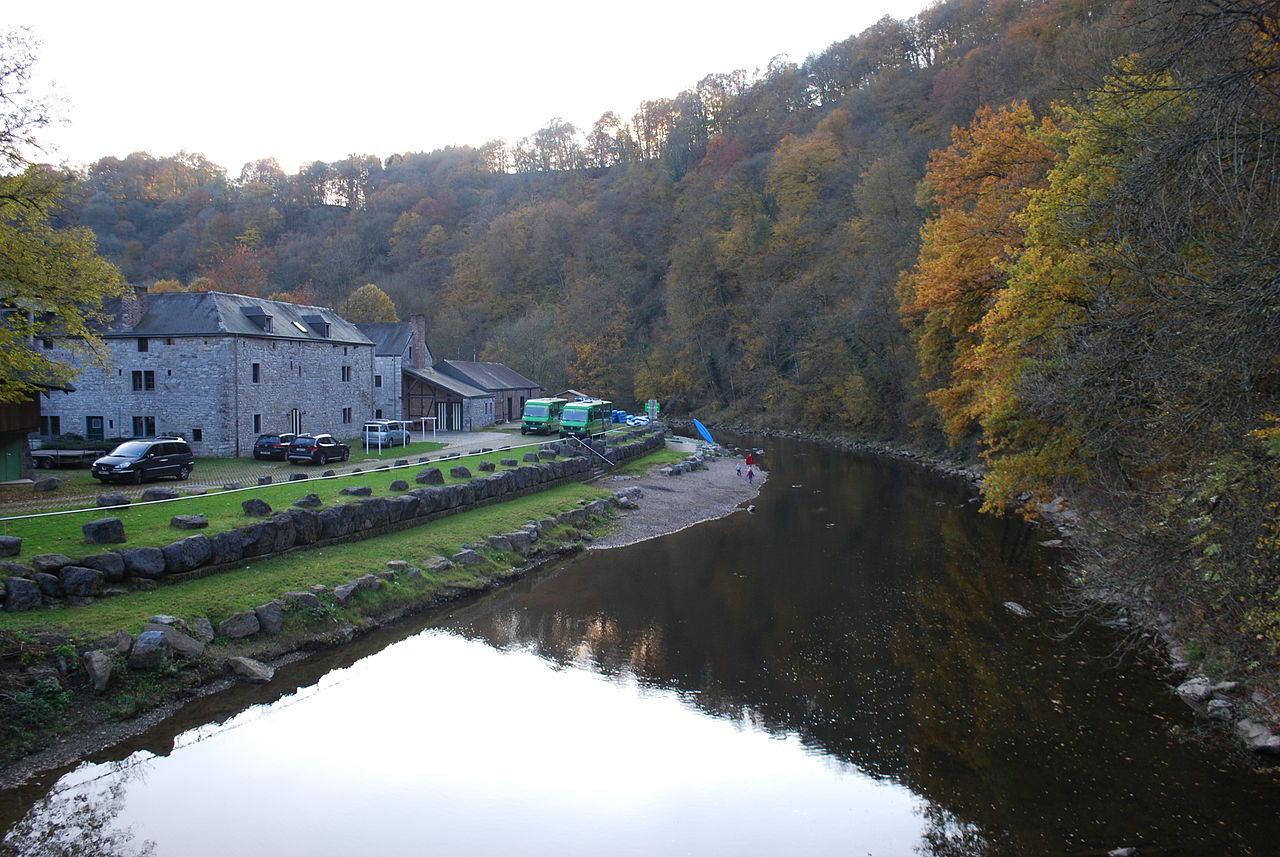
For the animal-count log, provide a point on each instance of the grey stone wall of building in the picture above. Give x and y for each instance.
(387, 397)
(203, 388)
(477, 414)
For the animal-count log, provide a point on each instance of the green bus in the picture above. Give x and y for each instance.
(542, 416)
(586, 419)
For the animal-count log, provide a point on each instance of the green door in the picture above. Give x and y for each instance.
(93, 428)
(14, 452)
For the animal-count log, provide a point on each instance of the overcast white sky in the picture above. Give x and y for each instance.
(306, 81)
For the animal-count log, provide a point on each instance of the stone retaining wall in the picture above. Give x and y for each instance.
(59, 579)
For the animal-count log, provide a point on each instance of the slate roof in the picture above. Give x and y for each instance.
(221, 314)
(390, 338)
(446, 382)
(486, 376)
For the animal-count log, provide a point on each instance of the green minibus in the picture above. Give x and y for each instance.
(586, 419)
(542, 416)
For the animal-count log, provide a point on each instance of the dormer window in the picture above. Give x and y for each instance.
(318, 324)
(259, 317)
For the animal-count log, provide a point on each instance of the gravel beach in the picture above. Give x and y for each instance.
(672, 503)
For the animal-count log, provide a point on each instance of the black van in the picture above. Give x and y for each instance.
(145, 459)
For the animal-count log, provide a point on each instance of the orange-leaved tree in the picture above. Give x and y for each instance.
(977, 187)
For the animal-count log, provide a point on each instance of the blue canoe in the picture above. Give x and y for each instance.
(702, 430)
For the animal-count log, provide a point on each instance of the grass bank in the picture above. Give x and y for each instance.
(149, 524)
(44, 691)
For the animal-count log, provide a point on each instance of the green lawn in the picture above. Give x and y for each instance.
(148, 525)
(260, 580)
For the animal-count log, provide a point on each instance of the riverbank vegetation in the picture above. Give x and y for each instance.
(1039, 232)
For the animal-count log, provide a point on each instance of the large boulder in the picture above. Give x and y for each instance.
(50, 563)
(310, 501)
(239, 625)
(22, 594)
(438, 564)
(81, 582)
(97, 665)
(157, 493)
(256, 507)
(430, 476)
(104, 531)
(467, 557)
(251, 670)
(270, 617)
(521, 542)
(10, 545)
(343, 592)
(186, 555)
(306, 526)
(108, 499)
(48, 483)
(189, 522)
(1258, 737)
(573, 518)
(301, 600)
(110, 564)
(181, 644)
(143, 562)
(50, 584)
(149, 651)
(356, 491)
(458, 471)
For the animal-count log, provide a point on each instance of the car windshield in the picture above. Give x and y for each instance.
(536, 410)
(131, 448)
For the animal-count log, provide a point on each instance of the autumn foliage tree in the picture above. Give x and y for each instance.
(368, 304)
(52, 282)
(977, 187)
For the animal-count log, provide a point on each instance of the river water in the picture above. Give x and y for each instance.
(835, 673)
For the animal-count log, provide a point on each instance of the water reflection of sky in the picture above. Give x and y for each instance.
(444, 745)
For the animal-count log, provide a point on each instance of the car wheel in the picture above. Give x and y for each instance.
(183, 472)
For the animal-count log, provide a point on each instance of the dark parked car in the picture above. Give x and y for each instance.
(272, 446)
(318, 449)
(142, 460)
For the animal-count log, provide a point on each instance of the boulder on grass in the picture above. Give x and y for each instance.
(239, 625)
(256, 507)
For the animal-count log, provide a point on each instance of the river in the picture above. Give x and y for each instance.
(836, 673)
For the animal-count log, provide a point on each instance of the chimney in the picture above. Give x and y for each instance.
(133, 306)
(421, 355)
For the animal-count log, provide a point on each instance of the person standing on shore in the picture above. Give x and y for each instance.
(751, 474)
(751, 459)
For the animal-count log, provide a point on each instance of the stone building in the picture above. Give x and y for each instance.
(453, 405)
(219, 369)
(510, 389)
(397, 345)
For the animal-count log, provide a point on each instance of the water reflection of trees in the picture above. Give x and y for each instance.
(883, 642)
(78, 821)
(1032, 743)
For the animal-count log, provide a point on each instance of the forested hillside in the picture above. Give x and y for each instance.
(1044, 231)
